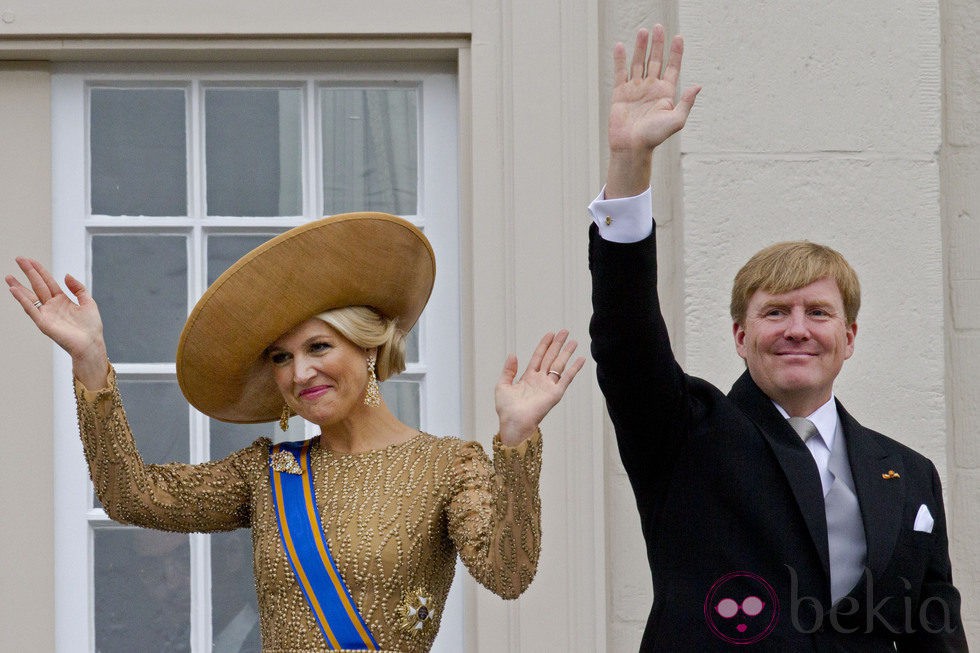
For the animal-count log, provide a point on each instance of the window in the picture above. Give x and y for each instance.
(163, 177)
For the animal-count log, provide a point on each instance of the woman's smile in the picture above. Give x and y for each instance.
(315, 392)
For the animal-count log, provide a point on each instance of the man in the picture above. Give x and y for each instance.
(805, 534)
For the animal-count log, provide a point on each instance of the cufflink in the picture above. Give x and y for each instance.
(608, 220)
(891, 474)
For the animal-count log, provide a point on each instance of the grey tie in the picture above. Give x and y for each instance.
(803, 427)
(845, 530)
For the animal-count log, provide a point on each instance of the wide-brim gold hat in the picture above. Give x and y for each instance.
(353, 259)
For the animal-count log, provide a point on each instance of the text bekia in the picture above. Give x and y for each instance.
(931, 616)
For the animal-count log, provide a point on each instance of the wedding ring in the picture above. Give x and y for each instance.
(557, 374)
(37, 304)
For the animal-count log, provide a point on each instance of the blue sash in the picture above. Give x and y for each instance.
(309, 554)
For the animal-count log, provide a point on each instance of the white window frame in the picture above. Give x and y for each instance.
(439, 345)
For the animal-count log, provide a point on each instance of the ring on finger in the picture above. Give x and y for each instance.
(556, 373)
(38, 303)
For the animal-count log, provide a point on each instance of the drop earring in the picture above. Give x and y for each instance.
(372, 395)
(284, 418)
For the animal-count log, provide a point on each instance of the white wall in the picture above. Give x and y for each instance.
(66, 18)
(960, 172)
(26, 483)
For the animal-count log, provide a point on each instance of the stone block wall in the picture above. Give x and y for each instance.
(960, 173)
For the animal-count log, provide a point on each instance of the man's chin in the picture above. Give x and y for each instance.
(795, 386)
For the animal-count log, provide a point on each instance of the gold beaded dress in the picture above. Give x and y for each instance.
(395, 519)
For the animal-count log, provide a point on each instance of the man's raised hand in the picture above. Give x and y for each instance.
(645, 110)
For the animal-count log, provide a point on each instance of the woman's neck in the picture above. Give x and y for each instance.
(368, 430)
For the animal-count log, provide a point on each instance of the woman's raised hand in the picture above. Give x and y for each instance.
(75, 327)
(522, 404)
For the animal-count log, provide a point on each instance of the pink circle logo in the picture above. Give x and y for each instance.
(741, 608)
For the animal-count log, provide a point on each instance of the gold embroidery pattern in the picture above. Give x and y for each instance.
(394, 518)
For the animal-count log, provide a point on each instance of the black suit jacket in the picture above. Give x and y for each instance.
(731, 504)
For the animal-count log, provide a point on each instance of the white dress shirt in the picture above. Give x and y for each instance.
(625, 219)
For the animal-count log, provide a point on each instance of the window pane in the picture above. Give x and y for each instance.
(253, 144)
(402, 397)
(138, 148)
(235, 612)
(370, 149)
(228, 438)
(223, 251)
(140, 283)
(412, 345)
(142, 591)
(158, 416)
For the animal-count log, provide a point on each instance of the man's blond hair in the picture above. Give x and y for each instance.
(787, 266)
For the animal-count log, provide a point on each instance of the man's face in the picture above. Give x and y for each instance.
(795, 343)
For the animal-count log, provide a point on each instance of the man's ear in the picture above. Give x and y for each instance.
(850, 336)
(739, 334)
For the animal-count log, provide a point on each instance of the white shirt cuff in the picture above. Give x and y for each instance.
(624, 219)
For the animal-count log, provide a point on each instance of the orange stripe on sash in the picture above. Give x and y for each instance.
(300, 573)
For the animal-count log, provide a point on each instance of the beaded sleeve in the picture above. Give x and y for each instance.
(495, 514)
(211, 496)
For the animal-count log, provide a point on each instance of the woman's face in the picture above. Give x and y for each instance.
(321, 374)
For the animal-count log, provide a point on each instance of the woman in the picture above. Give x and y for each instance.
(355, 532)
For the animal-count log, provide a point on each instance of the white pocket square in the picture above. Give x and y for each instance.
(923, 520)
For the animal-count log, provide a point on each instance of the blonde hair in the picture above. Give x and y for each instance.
(367, 328)
(792, 265)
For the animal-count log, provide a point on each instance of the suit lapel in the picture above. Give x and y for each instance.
(881, 499)
(795, 459)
